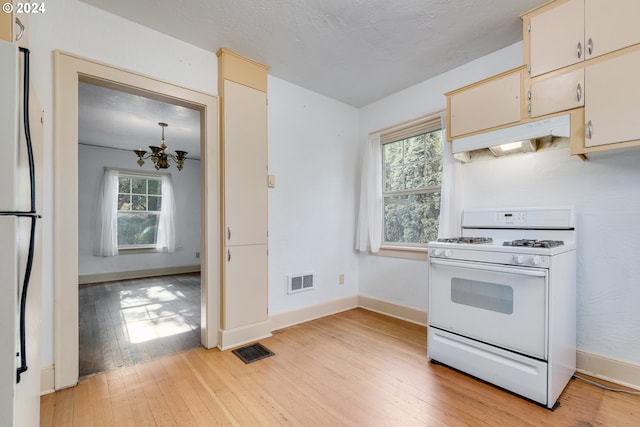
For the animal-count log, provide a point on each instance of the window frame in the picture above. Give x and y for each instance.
(423, 125)
(147, 175)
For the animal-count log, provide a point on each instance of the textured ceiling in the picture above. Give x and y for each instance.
(111, 118)
(355, 51)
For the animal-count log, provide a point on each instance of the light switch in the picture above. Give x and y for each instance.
(271, 181)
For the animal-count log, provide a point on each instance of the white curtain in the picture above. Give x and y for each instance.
(166, 241)
(369, 233)
(451, 191)
(106, 231)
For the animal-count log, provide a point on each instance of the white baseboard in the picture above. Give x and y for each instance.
(609, 369)
(230, 338)
(294, 317)
(136, 274)
(47, 380)
(402, 312)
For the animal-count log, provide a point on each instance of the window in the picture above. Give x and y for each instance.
(412, 179)
(139, 208)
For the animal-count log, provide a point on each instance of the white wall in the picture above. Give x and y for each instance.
(606, 194)
(402, 281)
(604, 190)
(312, 152)
(76, 27)
(186, 185)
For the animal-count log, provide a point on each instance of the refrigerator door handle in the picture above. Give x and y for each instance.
(23, 300)
(27, 128)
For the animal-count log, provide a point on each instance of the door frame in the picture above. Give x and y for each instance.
(69, 71)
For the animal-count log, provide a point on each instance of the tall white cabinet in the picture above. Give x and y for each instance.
(242, 85)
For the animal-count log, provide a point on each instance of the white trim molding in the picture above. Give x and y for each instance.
(137, 274)
(398, 311)
(47, 380)
(609, 369)
(295, 317)
(230, 338)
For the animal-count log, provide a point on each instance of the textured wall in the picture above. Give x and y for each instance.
(186, 186)
(312, 152)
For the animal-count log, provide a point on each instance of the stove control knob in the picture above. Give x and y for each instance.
(437, 252)
(536, 260)
(448, 253)
(518, 259)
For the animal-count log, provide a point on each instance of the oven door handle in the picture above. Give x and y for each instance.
(496, 268)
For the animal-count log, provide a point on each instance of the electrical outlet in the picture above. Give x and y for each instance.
(197, 254)
(342, 279)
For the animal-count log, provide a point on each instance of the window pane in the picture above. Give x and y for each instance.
(124, 185)
(433, 174)
(414, 175)
(393, 154)
(139, 203)
(393, 179)
(411, 218)
(393, 166)
(414, 149)
(155, 202)
(137, 228)
(155, 186)
(124, 202)
(139, 186)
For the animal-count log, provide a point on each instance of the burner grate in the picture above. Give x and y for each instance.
(531, 243)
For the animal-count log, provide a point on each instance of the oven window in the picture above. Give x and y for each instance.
(488, 296)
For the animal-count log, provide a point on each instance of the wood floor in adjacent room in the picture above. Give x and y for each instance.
(131, 321)
(355, 368)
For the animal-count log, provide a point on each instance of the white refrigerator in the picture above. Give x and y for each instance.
(20, 255)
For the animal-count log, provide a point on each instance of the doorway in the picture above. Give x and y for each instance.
(70, 70)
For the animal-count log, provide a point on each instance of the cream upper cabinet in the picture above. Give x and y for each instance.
(612, 106)
(490, 103)
(556, 37)
(245, 164)
(559, 92)
(6, 30)
(564, 33)
(610, 25)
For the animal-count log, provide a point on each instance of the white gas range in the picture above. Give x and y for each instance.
(502, 300)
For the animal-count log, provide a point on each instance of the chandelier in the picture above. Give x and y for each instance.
(159, 155)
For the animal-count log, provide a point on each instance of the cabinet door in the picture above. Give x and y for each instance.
(610, 26)
(6, 23)
(611, 105)
(488, 104)
(245, 164)
(245, 289)
(557, 37)
(558, 93)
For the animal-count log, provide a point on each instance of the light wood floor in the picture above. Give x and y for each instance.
(131, 321)
(355, 368)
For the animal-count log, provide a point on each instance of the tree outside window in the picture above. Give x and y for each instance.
(139, 205)
(412, 177)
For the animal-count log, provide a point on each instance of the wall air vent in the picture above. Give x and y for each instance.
(299, 282)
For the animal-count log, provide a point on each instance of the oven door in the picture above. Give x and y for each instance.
(496, 304)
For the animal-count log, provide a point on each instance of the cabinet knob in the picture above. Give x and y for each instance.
(590, 46)
(579, 50)
(589, 129)
(228, 233)
(228, 255)
(579, 92)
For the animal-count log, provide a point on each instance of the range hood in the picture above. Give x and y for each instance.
(552, 126)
